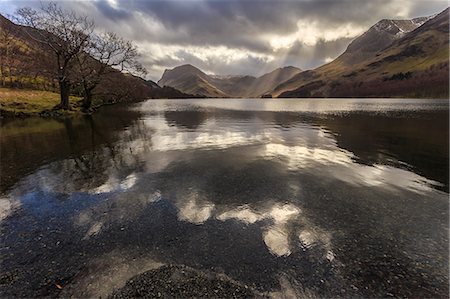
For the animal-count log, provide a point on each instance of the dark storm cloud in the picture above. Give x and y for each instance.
(111, 12)
(244, 26)
(217, 19)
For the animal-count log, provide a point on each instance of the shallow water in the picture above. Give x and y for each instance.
(310, 198)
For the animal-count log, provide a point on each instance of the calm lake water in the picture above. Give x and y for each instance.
(322, 198)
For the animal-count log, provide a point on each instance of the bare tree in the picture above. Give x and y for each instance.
(64, 33)
(106, 53)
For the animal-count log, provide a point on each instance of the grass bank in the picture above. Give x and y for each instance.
(26, 102)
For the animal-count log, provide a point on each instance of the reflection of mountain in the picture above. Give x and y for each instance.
(379, 139)
(188, 119)
(392, 59)
(373, 139)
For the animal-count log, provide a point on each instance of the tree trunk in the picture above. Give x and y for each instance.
(10, 77)
(64, 88)
(87, 100)
(2, 71)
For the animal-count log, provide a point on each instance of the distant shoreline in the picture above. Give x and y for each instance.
(25, 103)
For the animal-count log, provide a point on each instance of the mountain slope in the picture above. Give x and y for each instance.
(26, 63)
(190, 79)
(264, 84)
(378, 37)
(414, 64)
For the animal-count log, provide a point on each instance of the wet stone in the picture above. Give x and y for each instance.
(182, 282)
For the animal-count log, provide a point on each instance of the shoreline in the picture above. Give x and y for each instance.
(27, 103)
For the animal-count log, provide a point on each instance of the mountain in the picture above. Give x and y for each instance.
(190, 79)
(378, 37)
(394, 58)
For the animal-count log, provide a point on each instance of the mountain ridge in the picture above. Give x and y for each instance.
(379, 36)
(191, 79)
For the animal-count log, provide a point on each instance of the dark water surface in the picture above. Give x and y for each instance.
(315, 198)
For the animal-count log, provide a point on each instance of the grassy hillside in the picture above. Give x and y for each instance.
(30, 102)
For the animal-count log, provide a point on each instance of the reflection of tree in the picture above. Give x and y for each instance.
(194, 118)
(27, 144)
(88, 168)
(286, 119)
(186, 119)
(103, 158)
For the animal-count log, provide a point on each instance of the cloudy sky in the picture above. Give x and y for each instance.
(240, 36)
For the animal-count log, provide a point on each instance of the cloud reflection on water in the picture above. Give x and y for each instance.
(113, 184)
(267, 190)
(193, 209)
(7, 207)
(275, 236)
(342, 166)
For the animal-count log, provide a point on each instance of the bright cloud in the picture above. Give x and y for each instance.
(310, 33)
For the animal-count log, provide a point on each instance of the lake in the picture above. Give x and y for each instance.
(242, 197)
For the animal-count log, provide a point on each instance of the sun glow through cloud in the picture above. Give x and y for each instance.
(310, 33)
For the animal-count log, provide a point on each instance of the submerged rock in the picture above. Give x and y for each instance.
(182, 282)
